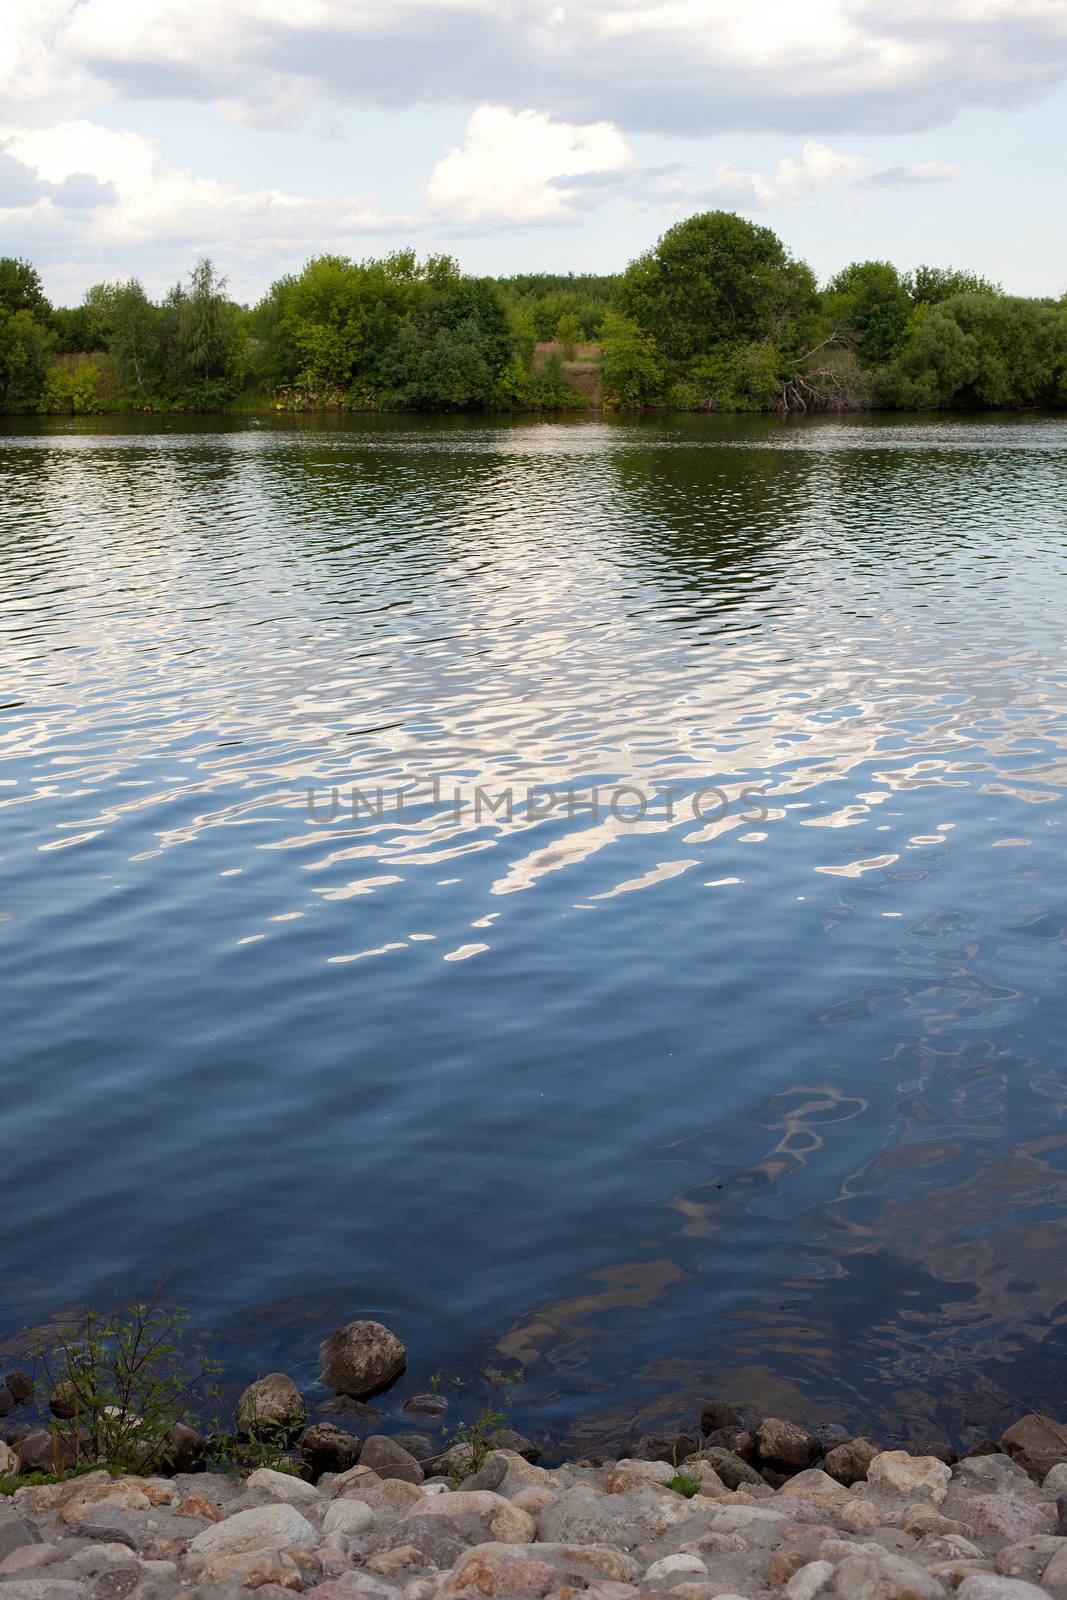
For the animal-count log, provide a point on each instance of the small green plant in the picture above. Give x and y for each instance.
(683, 1484)
(479, 1436)
(120, 1383)
(261, 1442)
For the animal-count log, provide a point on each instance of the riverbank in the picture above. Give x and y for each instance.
(909, 1528)
(731, 1505)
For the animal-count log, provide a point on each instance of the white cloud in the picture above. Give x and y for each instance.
(793, 181)
(672, 66)
(78, 185)
(914, 172)
(513, 166)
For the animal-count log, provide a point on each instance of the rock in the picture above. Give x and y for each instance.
(579, 1516)
(43, 1589)
(809, 1581)
(39, 1450)
(784, 1444)
(66, 1400)
(1005, 1514)
(185, 1448)
(498, 1570)
(783, 1564)
(718, 1414)
(427, 1405)
(503, 1522)
(734, 1472)
(15, 1532)
(93, 1559)
(361, 1358)
(490, 1475)
(1055, 1574)
(389, 1459)
(814, 1484)
(195, 1505)
(982, 1447)
(876, 1574)
(995, 1471)
(670, 1566)
(351, 1517)
(455, 1462)
(284, 1487)
(628, 1472)
(19, 1387)
(326, 1448)
(895, 1472)
(114, 1494)
(670, 1447)
(1055, 1481)
(1037, 1443)
(734, 1519)
(274, 1527)
(8, 1403)
(1028, 1558)
(9, 1461)
(848, 1463)
(989, 1586)
(252, 1569)
(274, 1399)
(738, 1440)
(25, 1557)
(419, 1445)
(1061, 1513)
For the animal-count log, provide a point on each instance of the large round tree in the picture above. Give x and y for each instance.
(713, 281)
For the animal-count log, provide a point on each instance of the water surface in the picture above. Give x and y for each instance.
(771, 1106)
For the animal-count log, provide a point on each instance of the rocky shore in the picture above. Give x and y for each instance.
(737, 1509)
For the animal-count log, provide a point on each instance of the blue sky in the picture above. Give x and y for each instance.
(134, 138)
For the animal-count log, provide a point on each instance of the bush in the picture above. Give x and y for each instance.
(120, 1384)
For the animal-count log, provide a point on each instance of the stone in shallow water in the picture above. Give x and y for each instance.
(361, 1358)
(427, 1405)
(1036, 1442)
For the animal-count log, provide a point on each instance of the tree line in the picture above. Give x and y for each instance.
(718, 316)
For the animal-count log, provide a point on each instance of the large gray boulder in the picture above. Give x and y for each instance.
(361, 1358)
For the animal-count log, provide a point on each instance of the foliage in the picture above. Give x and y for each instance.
(717, 316)
(715, 281)
(71, 388)
(25, 346)
(20, 289)
(122, 1384)
(684, 1485)
(479, 1433)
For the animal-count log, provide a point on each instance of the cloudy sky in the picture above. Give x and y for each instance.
(136, 135)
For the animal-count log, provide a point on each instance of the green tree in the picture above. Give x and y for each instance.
(20, 289)
(633, 372)
(25, 348)
(871, 304)
(134, 338)
(715, 281)
(931, 285)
